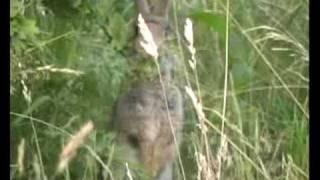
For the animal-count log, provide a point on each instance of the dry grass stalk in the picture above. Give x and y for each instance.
(20, 158)
(51, 68)
(128, 173)
(222, 155)
(26, 92)
(36, 168)
(188, 34)
(205, 171)
(148, 44)
(70, 150)
(205, 166)
(199, 110)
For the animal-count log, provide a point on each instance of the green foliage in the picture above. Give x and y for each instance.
(242, 73)
(118, 30)
(24, 28)
(81, 36)
(267, 40)
(214, 20)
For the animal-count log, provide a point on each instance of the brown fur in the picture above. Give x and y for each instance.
(142, 114)
(155, 14)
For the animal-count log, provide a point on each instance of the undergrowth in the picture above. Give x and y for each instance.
(70, 60)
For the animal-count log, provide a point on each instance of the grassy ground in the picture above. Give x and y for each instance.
(253, 89)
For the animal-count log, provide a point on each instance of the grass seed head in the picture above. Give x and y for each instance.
(148, 43)
(70, 150)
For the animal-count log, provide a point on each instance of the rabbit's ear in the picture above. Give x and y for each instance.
(161, 8)
(143, 7)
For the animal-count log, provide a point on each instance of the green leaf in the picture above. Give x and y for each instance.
(214, 20)
(13, 27)
(76, 3)
(242, 74)
(30, 27)
(26, 28)
(16, 7)
(34, 106)
(239, 47)
(118, 28)
(104, 8)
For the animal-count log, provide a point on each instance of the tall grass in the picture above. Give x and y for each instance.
(246, 97)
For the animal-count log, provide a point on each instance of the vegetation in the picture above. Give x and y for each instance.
(70, 60)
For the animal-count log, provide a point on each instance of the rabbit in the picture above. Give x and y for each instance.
(143, 125)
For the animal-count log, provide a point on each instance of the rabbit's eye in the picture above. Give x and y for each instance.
(133, 140)
(171, 104)
(151, 8)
